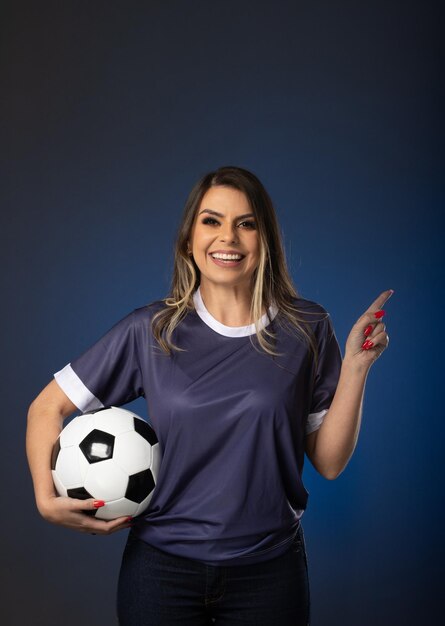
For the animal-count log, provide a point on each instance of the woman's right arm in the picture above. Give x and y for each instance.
(45, 421)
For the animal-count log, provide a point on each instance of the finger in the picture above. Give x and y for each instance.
(380, 301)
(376, 343)
(369, 319)
(373, 329)
(125, 524)
(90, 505)
(85, 510)
(102, 527)
(94, 527)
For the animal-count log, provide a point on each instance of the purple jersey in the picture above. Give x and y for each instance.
(231, 422)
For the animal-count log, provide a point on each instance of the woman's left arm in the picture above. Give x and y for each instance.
(331, 446)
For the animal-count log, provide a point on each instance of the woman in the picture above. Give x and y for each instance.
(241, 377)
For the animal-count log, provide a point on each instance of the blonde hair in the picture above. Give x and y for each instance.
(271, 281)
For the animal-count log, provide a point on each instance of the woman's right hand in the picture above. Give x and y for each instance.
(73, 513)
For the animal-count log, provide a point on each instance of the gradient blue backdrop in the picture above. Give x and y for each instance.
(111, 111)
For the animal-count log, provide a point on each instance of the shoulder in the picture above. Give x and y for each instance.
(146, 312)
(308, 311)
(307, 319)
(139, 317)
(142, 317)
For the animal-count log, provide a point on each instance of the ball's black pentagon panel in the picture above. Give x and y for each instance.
(82, 494)
(146, 431)
(140, 485)
(97, 446)
(79, 492)
(55, 453)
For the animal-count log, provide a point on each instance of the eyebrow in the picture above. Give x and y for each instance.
(239, 217)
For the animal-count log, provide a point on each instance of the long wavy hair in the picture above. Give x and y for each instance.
(271, 281)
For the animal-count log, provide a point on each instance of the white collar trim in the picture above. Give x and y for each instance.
(229, 331)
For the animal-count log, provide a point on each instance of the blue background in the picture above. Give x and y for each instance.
(111, 111)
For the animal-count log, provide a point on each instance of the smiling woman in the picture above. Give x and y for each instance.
(242, 377)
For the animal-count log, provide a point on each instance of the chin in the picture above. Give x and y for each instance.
(227, 281)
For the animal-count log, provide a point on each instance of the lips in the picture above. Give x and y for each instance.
(224, 256)
(228, 262)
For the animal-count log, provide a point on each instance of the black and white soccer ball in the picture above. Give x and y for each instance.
(110, 454)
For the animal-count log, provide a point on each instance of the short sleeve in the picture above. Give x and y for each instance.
(108, 373)
(326, 375)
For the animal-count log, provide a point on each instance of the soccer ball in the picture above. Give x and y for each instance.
(110, 454)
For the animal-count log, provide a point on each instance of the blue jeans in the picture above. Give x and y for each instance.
(160, 589)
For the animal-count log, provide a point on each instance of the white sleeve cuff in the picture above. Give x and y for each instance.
(314, 421)
(81, 396)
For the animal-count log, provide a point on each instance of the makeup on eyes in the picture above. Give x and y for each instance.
(240, 218)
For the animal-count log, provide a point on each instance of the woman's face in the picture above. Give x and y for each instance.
(224, 238)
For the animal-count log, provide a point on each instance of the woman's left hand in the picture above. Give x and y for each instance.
(368, 338)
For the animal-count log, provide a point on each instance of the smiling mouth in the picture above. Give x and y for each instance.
(227, 256)
(228, 260)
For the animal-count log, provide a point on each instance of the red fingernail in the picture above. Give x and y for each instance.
(367, 344)
(129, 519)
(368, 330)
(98, 503)
(379, 314)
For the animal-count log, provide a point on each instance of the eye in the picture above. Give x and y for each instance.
(209, 220)
(248, 224)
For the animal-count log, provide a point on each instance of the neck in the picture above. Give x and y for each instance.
(230, 305)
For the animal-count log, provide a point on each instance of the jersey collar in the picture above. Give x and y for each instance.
(229, 331)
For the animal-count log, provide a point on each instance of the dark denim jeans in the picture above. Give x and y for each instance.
(159, 589)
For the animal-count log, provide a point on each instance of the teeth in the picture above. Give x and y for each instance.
(227, 257)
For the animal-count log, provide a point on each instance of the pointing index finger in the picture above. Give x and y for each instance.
(380, 301)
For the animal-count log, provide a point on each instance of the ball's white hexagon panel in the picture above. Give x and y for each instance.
(113, 420)
(75, 431)
(59, 485)
(132, 452)
(83, 464)
(117, 508)
(68, 467)
(106, 480)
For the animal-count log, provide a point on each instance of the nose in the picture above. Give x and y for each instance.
(228, 233)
